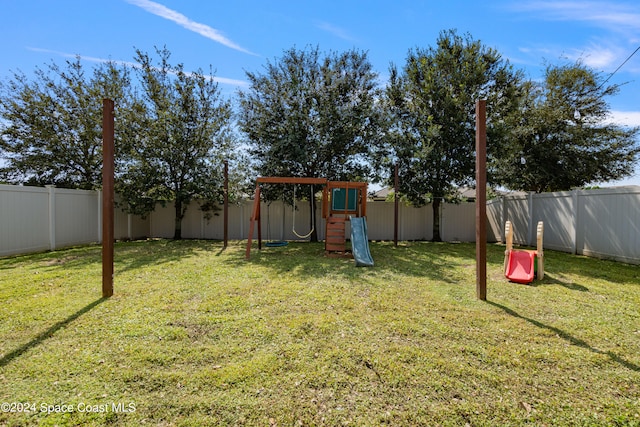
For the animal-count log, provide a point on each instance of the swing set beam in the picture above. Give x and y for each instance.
(255, 211)
(290, 180)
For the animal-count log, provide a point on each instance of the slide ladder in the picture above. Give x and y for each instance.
(335, 236)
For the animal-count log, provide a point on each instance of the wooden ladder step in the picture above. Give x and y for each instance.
(335, 235)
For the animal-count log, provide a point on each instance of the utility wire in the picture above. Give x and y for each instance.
(576, 113)
(620, 66)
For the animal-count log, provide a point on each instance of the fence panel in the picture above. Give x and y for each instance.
(495, 224)
(162, 221)
(609, 224)
(24, 219)
(415, 223)
(557, 212)
(516, 210)
(77, 219)
(380, 217)
(34, 219)
(603, 223)
(458, 222)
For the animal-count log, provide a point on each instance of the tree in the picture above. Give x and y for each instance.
(561, 138)
(178, 141)
(51, 132)
(312, 116)
(433, 105)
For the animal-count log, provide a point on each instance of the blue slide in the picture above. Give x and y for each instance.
(360, 242)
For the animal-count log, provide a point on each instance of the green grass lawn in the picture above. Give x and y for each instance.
(195, 335)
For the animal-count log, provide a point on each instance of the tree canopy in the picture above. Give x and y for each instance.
(180, 138)
(561, 136)
(52, 130)
(310, 115)
(313, 114)
(432, 101)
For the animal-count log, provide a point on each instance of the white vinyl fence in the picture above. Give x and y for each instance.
(457, 222)
(36, 219)
(603, 223)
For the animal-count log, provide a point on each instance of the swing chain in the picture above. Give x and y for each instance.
(313, 217)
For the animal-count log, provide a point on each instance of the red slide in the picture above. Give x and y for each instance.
(521, 266)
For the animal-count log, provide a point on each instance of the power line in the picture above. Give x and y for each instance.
(576, 113)
(620, 66)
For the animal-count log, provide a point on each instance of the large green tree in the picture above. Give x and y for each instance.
(51, 124)
(177, 144)
(563, 138)
(312, 115)
(432, 101)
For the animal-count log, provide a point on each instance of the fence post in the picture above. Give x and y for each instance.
(202, 224)
(52, 216)
(531, 222)
(99, 194)
(503, 218)
(575, 222)
(401, 214)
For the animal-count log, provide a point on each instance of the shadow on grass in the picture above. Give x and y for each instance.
(140, 254)
(129, 255)
(43, 336)
(553, 280)
(72, 257)
(435, 261)
(561, 263)
(568, 337)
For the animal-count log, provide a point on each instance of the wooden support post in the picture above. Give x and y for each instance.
(540, 250)
(396, 186)
(107, 196)
(508, 239)
(225, 208)
(258, 218)
(255, 216)
(481, 200)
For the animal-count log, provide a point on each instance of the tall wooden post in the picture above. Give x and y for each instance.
(396, 188)
(255, 216)
(225, 209)
(481, 200)
(107, 196)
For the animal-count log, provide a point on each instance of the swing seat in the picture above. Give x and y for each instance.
(276, 244)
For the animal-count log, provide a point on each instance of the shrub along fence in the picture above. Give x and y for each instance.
(603, 223)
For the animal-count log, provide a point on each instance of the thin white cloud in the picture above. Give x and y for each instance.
(602, 57)
(221, 80)
(180, 19)
(599, 56)
(625, 118)
(336, 31)
(608, 14)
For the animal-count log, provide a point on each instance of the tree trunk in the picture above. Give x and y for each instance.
(177, 231)
(436, 219)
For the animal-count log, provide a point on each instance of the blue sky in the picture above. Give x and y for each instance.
(242, 35)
